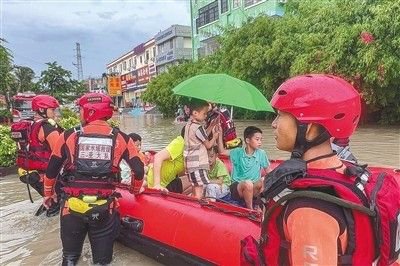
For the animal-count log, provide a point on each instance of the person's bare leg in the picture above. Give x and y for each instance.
(245, 190)
(257, 188)
(197, 191)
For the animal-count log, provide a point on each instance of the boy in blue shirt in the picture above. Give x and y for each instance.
(247, 163)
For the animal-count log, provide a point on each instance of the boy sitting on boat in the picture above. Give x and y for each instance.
(219, 177)
(196, 145)
(247, 163)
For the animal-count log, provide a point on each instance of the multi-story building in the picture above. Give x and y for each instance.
(135, 68)
(173, 45)
(209, 17)
(121, 67)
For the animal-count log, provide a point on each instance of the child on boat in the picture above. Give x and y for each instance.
(219, 177)
(125, 170)
(168, 166)
(247, 163)
(196, 145)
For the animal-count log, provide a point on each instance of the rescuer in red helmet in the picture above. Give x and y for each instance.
(321, 210)
(90, 155)
(36, 140)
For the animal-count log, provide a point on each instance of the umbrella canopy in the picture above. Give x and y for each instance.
(224, 89)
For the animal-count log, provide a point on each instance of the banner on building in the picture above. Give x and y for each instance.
(128, 81)
(114, 86)
(143, 75)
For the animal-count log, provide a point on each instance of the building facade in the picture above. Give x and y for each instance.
(121, 67)
(135, 70)
(209, 17)
(137, 67)
(173, 45)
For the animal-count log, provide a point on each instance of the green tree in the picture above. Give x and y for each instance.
(5, 70)
(355, 39)
(57, 82)
(24, 78)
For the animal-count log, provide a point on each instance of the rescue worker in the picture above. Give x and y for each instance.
(91, 155)
(310, 217)
(42, 138)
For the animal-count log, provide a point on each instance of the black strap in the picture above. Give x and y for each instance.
(313, 195)
(321, 157)
(345, 260)
(302, 144)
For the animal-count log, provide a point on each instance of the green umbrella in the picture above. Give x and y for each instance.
(224, 89)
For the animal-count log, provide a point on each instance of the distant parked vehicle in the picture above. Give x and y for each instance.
(22, 106)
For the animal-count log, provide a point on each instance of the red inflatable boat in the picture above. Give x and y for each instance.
(180, 230)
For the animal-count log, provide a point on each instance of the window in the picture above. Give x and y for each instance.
(120, 68)
(130, 63)
(124, 65)
(251, 2)
(147, 55)
(154, 51)
(224, 6)
(135, 61)
(171, 44)
(141, 59)
(207, 14)
(236, 3)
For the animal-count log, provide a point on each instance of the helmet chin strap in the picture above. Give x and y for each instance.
(43, 114)
(302, 144)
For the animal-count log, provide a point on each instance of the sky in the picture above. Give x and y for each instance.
(41, 31)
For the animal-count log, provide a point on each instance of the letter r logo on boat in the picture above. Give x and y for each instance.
(310, 254)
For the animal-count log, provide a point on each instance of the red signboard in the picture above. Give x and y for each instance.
(128, 80)
(143, 75)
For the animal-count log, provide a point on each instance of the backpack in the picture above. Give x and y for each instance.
(372, 199)
(31, 153)
(227, 125)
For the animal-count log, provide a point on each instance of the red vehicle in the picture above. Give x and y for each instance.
(22, 106)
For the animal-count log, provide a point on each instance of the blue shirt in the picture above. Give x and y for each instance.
(247, 167)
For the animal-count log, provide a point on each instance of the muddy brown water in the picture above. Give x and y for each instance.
(29, 240)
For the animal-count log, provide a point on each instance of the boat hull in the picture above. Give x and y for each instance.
(180, 230)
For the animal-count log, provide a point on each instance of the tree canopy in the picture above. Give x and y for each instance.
(58, 82)
(23, 79)
(55, 80)
(355, 39)
(5, 68)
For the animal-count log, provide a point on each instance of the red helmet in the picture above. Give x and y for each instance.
(323, 99)
(101, 105)
(44, 102)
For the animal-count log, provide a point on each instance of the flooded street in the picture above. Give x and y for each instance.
(29, 240)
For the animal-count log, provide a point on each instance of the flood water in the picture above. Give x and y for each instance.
(29, 240)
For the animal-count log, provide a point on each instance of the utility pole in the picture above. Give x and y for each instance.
(78, 63)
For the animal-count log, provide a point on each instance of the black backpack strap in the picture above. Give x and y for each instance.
(313, 195)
